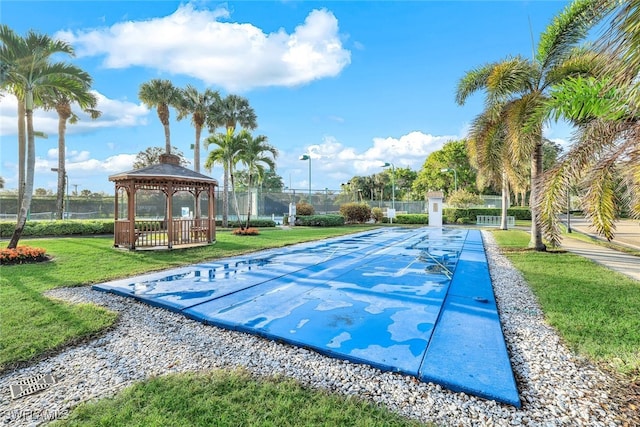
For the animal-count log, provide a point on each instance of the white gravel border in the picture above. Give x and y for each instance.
(556, 387)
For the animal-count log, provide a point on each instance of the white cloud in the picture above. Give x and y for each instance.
(232, 55)
(337, 163)
(115, 113)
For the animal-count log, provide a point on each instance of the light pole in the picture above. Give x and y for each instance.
(308, 157)
(66, 182)
(393, 183)
(455, 177)
(568, 209)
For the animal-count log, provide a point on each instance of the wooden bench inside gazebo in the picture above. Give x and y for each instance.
(170, 230)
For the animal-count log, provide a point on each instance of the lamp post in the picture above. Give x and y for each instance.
(66, 182)
(568, 209)
(393, 183)
(308, 157)
(455, 176)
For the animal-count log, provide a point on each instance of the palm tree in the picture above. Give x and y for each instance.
(228, 112)
(226, 154)
(604, 157)
(14, 54)
(61, 102)
(516, 89)
(160, 94)
(488, 153)
(231, 111)
(197, 105)
(33, 77)
(256, 153)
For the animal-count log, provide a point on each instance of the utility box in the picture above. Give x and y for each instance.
(435, 199)
(292, 214)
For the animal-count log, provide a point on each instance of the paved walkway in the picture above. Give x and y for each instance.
(627, 234)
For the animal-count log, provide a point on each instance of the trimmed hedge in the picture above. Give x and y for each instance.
(252, 223)
(59, 228)
(452, 215)
(409, 219)
(88, 227)
(320, 220)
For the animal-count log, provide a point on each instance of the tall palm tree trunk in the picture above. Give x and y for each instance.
(167, 139)
(249, 204)
(536, 175)
(225, 197)
(64, 112)
(196, 167)
(196, 149)
(22, 150)
(235, 197)
(31, 163)
(505, 201)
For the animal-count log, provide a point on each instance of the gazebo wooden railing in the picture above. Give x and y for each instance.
(154, 233)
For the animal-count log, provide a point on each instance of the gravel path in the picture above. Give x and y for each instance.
(556, 387)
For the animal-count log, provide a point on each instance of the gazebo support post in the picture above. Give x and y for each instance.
(131, 214)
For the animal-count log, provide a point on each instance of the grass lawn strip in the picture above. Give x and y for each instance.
(594, 309)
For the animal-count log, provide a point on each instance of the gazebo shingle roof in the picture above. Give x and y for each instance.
(163, 171)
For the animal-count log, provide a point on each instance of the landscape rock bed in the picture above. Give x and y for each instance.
(556, 387)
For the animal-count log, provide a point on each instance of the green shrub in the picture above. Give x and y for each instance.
(463, 220)
(320, 220)
(60, 228)
(233, 222)
(303, 208)
(355, 212)
(376, 213)
(463, 199)
(411, 219)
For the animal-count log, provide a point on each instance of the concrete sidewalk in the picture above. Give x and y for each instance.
(627, 234)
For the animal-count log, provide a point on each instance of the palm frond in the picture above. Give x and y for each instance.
(509, 77)
(555, 184)
(600, 200)
(522, 133)
(473, 81)
(566, 30)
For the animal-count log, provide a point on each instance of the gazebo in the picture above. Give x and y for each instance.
(175, 226)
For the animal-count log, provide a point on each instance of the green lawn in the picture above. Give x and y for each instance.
(38, 325)
(593, 308)
(229, 399)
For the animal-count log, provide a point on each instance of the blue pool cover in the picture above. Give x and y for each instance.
(415, 301)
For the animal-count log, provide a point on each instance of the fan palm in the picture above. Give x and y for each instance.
(14, 54)
(516, 88)
(33, 77)
(160, 94)
(196, 105)
(61, 102)
(256, 155)
(229, 112)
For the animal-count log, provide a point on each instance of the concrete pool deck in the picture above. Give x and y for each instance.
(415, 301)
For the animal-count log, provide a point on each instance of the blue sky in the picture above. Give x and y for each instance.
(354, 84)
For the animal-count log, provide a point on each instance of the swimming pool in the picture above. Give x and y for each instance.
(414, 301)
